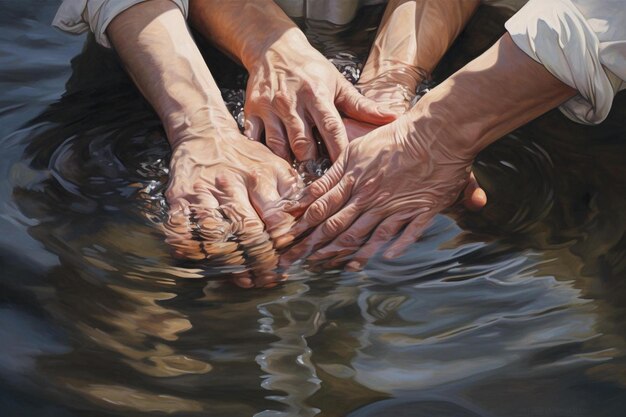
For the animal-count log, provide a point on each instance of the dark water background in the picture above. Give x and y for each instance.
(515, 311)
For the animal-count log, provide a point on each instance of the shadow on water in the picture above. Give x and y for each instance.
(515, 311)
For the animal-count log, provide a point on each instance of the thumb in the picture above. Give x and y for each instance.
(358, 107)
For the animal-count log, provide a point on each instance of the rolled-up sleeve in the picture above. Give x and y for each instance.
(582, 43)
(78, 16)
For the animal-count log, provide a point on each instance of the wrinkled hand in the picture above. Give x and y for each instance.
(291, 90)
(391, 178)
(396, 90)
(223, 196)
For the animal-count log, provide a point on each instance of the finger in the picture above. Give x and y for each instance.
(243, 280)
(248, 227)
(299, 133)
(179, 236)
(268, 204)
(474, 197)
(253, 127)
(331, 228)
(210, 227)
(330, 126)
(275, 136)
(412, 232)
(349, 240)
(289, 183)
(213, 232)
(321, 209)
(383, 234)
(317, 189)
(354, 105)
(340, 229)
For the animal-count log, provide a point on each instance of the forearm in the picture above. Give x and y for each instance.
(494, 94)
(245, 29)
(413, 37)
(155, 46)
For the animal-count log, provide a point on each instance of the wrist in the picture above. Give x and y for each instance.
(407, 76)
(395, 88)
(288, 42)
(438, 126)
(196, 134)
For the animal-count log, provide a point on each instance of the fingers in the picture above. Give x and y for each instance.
(299, 132)
(178, 235)
(330, 126)
(200, 234)
(360, 108)
(268, 204)
(253, 127)
(275, 136)
(317, 189)
(383, 234)
(321, 209)
(257, 248)
(346, 242)
(412, 232)
(474, 197)
(326, 231)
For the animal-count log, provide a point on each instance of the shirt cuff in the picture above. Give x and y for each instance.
(78, 16)
(555, 34)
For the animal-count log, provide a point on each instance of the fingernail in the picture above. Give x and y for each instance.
(390, 254)
(354, 266)
(283, 241)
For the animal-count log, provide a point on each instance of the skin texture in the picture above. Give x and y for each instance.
(222, 184)
(292, 88)
(412, 38)
(398, 177)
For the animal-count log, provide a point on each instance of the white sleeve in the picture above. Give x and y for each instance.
(582, 43)
(78, 16)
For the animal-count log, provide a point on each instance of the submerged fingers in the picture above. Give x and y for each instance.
(321, 209)
(330, 126)
(383, 234)
(249, 230)
(413, 231)
(196, 233)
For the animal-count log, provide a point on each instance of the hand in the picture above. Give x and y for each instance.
(222, 185)
(389, 89)
(293, 88)
(391, 178)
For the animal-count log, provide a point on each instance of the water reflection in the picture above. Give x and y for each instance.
(515, 311)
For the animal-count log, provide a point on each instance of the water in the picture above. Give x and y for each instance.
(515, 311)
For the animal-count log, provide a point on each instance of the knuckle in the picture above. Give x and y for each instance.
(317, 211)
(332, 125)
(332, 227)
(301, 145)
(282, 101)
(317, 188)
(275, 143)
(348, 239)
(385, 232)
(252, 225)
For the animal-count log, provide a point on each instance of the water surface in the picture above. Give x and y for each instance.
(515, 311)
